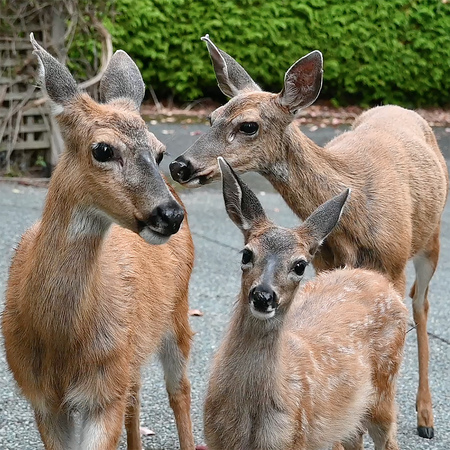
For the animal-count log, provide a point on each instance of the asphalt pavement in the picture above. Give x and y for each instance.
(214, 287)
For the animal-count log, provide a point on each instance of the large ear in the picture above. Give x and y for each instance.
(231, 76)
(55, 78)
(242, 205)
(322, 221)
(302, 82)
(122, 79)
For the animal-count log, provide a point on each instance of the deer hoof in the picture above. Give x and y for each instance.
(426, 432)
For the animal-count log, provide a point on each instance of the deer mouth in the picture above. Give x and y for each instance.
(201, 178)
(150, 235)
(262, 315)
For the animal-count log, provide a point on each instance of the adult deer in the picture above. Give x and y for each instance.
(88, 300)
(390, 159)
(301, 368)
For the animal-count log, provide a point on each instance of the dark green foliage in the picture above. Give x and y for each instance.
(385, 51)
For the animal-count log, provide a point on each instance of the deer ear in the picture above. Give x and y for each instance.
(231, 76)
(302, 82)
(54, 78)
(323, 220)
(242, 205)
(122, 79)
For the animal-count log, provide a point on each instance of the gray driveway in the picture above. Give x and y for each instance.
(214, 287)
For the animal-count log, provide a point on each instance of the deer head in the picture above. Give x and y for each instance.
(274, 258)
(251, 123)
(111, 159)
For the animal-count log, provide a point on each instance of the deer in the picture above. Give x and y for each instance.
(390, 158)
(300, 367)
(100, 283)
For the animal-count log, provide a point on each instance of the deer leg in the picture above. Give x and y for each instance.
(357, 443)
(383, 435)
(132, 422)
(57, 430)
(425, 266)
(101, 428)
(382, 424)
(174, 355)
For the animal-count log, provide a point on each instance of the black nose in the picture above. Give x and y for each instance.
(180, 170)
(263, 297)
(166, 219)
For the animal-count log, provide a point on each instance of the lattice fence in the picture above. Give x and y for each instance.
(26, 127)
(29, 135)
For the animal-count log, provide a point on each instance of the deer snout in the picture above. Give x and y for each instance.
(263, 300)
(181, 170)
(166, 219)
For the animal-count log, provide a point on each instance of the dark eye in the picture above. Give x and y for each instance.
(299, 267)
(249, 127)
(247, 256)
(102, 152)
(159, 157)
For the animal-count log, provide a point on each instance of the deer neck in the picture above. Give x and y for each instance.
(255, 356)
(305, 174)
(67, 248)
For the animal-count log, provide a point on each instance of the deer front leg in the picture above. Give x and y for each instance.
(132, 421)
(57, 430)
(102, 427)
(174, 354)
(356, 444)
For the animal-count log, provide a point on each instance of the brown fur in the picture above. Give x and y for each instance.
(86, 308)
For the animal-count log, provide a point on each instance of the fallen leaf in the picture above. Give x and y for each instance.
(16, 191)
(146, 431)
(201, 447)
(195, 133)
(168, 131)
(195, 312)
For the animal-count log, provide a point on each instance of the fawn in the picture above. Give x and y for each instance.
(303, 368)
(88, 300)
(390, 159)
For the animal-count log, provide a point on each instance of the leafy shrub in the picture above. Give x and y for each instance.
(388, 51)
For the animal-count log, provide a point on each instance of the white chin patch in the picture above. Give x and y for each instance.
(152, 238)
(192, 183)
(262, 315)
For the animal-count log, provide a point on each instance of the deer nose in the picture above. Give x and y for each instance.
(180, 170)
(166, 219)
(264, 299)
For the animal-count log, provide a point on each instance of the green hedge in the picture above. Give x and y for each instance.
(386, 51)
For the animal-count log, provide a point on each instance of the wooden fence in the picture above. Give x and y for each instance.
(28, 133)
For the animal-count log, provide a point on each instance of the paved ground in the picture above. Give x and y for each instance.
(215, 284)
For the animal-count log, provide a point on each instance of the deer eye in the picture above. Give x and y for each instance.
(299, 267)
(247, 256)
(249, 127)
(102, 152)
